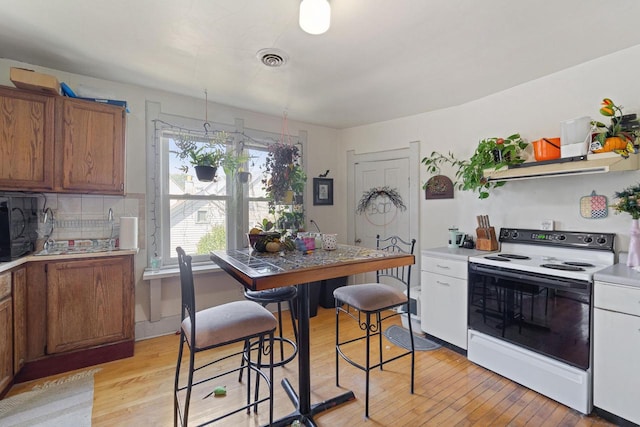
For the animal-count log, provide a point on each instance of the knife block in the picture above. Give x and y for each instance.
(486, 239)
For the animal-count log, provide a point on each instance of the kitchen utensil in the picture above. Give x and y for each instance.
(593, 206)
(456, 238)
(546, 149)
(486, 234)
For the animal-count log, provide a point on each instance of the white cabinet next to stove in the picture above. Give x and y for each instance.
(616, 342)
(444, 294)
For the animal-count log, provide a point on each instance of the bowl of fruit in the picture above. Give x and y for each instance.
(262, 239)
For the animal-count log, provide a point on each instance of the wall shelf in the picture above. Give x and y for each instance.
(595, 163)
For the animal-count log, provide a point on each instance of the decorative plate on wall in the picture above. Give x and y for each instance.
(438, 187)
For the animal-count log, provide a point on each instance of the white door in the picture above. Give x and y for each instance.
(382, 217)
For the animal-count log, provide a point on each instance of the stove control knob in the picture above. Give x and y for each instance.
(561, 237)
(514, 234)
(601, 240)
(588, 239)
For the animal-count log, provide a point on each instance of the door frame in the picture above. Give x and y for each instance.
(411, 152)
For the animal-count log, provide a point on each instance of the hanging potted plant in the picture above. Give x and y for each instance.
(280, 167)
(491, 153)
(205, 155)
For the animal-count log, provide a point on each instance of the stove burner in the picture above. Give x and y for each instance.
(562, 267)
(497, 258)
(578, 264)
(514, 256)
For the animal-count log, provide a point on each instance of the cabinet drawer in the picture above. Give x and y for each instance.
(448, 267)
(5, 285)
(623, 299)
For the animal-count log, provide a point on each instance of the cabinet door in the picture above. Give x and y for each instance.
(444, 308)
(6, 343)
(89, 147)
(616, 366)
(19, 318)
(89, 303)
(26, 140)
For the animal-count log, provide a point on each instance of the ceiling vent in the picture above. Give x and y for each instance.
(273, 58)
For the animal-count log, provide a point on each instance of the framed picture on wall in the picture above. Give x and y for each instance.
(323, 191)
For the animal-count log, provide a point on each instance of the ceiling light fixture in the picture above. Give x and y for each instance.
(315, 16)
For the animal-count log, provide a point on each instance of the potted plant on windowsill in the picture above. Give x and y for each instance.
(491, 153)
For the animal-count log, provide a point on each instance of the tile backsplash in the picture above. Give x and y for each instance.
(87, 216)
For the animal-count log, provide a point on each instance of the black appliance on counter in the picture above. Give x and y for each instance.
(530, 310)
(18, 225)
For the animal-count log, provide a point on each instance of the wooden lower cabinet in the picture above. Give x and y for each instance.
(19, 318)
(6, 343)
(88, 303)
(80, 313)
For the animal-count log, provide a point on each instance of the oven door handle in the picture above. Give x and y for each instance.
(531, 278)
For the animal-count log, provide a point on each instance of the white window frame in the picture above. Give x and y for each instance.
(158, 228)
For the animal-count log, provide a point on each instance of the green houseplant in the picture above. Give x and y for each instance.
(491, 153)
(282, 172)
(206, 155)
(620, 135)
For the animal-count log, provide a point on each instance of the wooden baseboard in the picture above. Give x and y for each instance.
(56, 364)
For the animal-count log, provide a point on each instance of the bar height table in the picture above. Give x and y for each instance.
(260, 271)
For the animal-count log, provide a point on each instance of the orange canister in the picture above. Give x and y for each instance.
(546, 149)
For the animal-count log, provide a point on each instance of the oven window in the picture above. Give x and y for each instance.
(548, 319)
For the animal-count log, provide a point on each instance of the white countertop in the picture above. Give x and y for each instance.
(619, 274)
(4, 266)
(453, 253)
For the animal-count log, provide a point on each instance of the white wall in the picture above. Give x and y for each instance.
(535, 110)
(212, 288)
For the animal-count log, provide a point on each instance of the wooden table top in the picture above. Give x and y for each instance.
(259, 271)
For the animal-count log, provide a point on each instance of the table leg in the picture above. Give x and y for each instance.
(304, 410)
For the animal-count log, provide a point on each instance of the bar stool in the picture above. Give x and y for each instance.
(375, 302)
(274, 296)
(215, 327)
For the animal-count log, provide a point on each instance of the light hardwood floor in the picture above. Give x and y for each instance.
(449, 390)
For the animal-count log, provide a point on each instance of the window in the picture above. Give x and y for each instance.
(204, 216)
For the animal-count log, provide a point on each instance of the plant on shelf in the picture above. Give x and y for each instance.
(282, 171)
(620, 135)
(491, 153)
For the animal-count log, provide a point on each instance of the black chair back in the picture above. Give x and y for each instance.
(397, 245)
(186, 286)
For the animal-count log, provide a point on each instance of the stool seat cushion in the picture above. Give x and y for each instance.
(228, 322)
(370, 296)
(272, 295)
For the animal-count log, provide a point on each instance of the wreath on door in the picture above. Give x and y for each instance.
(370, 196)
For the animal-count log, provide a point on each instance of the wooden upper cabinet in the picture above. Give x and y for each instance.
(61, 145)
(26, 140)
(89, 147)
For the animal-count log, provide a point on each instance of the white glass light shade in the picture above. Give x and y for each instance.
(315, 16)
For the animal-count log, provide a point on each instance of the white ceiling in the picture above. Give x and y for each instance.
(381, 59)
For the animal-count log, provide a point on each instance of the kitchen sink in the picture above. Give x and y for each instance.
(76, 247)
